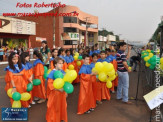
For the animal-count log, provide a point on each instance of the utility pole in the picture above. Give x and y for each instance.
(86, 42)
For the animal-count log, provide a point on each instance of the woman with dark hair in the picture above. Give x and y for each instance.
(45, 51)
(39, 91)
(15, 77)
(28, 71)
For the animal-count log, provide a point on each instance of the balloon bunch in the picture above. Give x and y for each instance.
(16, 96)
(106, 72)
(36, 82)
(150, 59)
(161, 63)
(77, 57)
(64, 81)
(45, 72)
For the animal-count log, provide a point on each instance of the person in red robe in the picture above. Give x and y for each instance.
(86, 101)
(39, 91)
(56, 105)
(15, 77)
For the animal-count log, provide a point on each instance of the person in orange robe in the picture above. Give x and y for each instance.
(15, 77)
(86, 101)
(28, 71)
(62, 54)
(105, 93)
(54, 53)
(39, 91)
(95, 84)
(56, 105)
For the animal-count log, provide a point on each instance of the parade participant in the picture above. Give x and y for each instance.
(123, 69)
(103, 57)
(45, 51)
(96, 85)
(61, 54)
(80, 51)
(54, 53)
(109, 56)
(94, 50)
(69, 58)
(105, 94)
(38, 71)
(56, 105)
(15, 77)
(86, 102)
(28, 71)
(134, 60)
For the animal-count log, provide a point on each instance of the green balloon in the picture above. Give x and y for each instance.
(58, 74)
(97, 76)
(153, 63)
(45, 75)
(29, 87)
(36, 82)
(68, 87)
(152, 51)
(80, 57)
(152, 67)
(45, 69)
(16, 96)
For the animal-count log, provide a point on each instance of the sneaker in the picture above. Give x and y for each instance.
(33, 103)
(99, 102)
(29, 106)
(41, 101)
(88, 112)
(36, 98)
(92, 109)
(128, 102)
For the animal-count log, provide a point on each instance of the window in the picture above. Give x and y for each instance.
(69, 19)
(70, 42)
(67, 29)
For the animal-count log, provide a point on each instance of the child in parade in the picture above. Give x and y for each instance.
(15, 77)
(69, 57)
(54, 54)
(62, 54)
(86, 101)
(105, 94)
(39, 91)
(28, 71)
(56, 105)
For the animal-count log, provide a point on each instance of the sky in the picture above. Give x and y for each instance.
(133, 20)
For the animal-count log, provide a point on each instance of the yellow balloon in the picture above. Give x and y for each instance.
(77, 54)
(102, 77)
(49, 71)
(94, 70)
(146, 58)
(16, 104)
(58, 83)
(148, 50)
(104, 63)
(99, 66)
(75, 57)
(9, 92)
(112, 77)
(161, 60)
(78, 63)
(66, 70)
(129, 68)
(70, 76)
(25, 96)
(71, 67)
(150, 55)
(147, 64)
(111, 73)
(108, 67)
(109, 84)
(161, 67)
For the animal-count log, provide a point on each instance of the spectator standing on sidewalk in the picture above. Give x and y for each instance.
(123, 69)
(1, 54)
(31, 53)
(45, 51)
